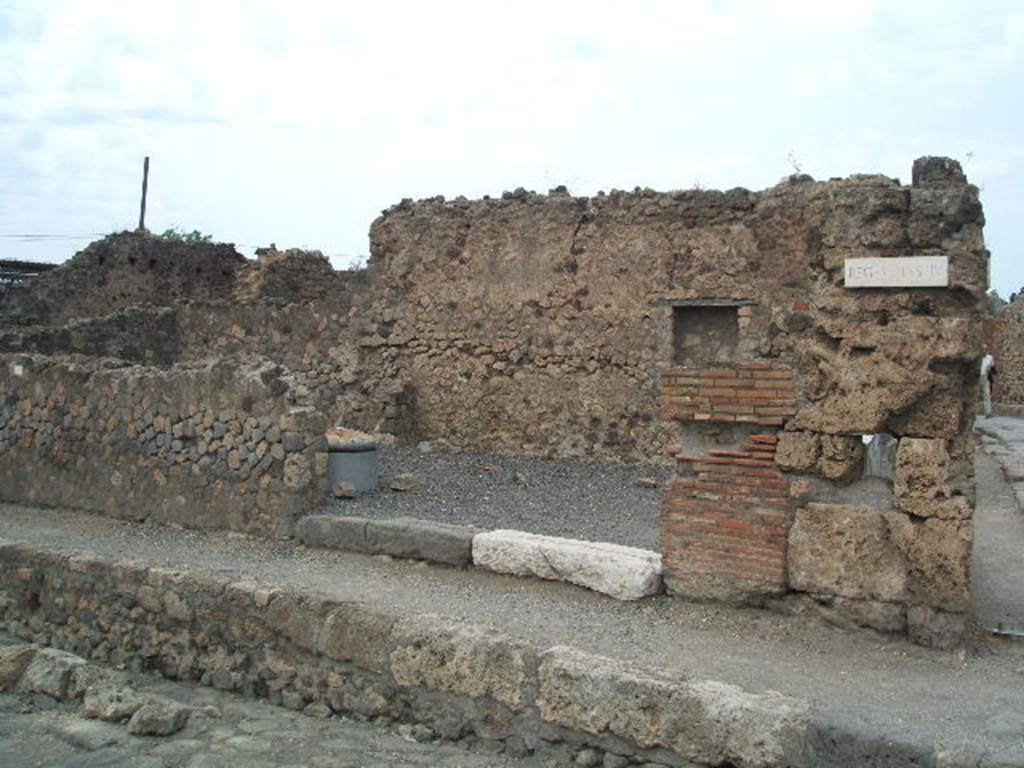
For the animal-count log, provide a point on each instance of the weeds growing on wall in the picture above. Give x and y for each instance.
(174, 234)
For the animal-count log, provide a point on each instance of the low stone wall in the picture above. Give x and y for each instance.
(305, 651)
(224, 445)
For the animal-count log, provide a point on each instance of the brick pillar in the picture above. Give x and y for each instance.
(724, 523)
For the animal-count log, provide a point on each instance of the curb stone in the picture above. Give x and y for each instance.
(625, 573)
(621, 572)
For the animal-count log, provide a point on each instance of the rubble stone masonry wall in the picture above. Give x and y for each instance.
(223, 445)
(890, 552)
(1008, 351)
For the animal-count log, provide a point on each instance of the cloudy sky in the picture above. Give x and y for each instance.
(296, 123)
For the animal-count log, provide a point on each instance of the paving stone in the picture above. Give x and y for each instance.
(89, 735)
(159, 718)
(49, 672)
(111, 703)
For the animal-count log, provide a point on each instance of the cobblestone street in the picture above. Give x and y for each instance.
(223, 731)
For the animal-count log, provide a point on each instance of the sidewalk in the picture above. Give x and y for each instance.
(860, 685)
(998, 563)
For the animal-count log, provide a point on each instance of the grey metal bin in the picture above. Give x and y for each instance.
(352, 458)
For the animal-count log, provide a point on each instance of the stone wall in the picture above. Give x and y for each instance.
(541, 323)
(221, 445)
(120, 271)
(890, 553)
(1007, 330)
(289, 307)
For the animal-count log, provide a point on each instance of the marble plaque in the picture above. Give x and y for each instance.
(898, 272)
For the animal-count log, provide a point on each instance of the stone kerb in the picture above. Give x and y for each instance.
(625, 573)
(221, 445)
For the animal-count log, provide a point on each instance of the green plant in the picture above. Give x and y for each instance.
(174, 234)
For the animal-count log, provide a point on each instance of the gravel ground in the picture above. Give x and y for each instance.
(596, 502)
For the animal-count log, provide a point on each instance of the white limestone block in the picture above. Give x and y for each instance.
(625, 573)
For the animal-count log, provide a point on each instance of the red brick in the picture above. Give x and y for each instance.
(718, 392)
(735, 462)
(732, 469)
(773, 374)
(680, 381)
(755, 394)
(728, 453)
(751, 486)
(774, 410)
(764, 455)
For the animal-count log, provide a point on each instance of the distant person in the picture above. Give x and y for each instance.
(988, 373)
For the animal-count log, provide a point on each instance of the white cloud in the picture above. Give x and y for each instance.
(298, 122)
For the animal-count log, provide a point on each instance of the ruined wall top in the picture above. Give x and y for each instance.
(745, 248)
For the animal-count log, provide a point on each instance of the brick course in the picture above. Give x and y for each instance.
(754, 393)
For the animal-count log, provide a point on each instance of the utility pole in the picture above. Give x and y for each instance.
(145, 185)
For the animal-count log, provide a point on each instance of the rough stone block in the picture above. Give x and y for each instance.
(847, 613)
(356, 634)
(111, 703)
(422, 540)
(937, 172)
(14, 660)
(938, 554)
(159, 717)
(445, 656)
(935, 628)
(926, 480)
(708, 722)
(90, 735)
(296, 619)
(837, 549)
(49, 672)
(798, 451)
(625, 573)
(333, 532)
(842, 458)
(86, 676)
